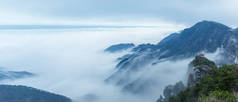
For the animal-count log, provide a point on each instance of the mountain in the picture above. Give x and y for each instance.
(205, 83)
(209, 83)
(119, 47)
(10, 93)
(12, 75)
(199, 68)
(203, 37)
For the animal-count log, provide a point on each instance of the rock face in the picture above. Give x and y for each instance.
(199, 68)
(11, 93)
(229, 48)
(205, 36)
(171, 90)
(119, 47)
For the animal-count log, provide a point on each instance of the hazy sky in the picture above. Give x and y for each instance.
(134, 12)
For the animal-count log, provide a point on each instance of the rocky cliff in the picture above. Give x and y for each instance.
(199, 68)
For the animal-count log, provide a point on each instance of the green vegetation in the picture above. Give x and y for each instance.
(199, 60)
(221, 85)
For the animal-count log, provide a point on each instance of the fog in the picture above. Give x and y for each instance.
(71, 62)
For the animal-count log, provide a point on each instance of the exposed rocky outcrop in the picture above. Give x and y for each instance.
(198, 68)
(171, 90)
(210, 84)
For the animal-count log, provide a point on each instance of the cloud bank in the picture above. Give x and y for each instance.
(71, 62)
(116, 11)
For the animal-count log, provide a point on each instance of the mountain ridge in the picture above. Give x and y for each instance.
(18, 93)
(203, 37)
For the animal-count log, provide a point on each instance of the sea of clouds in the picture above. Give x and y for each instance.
(71, 62)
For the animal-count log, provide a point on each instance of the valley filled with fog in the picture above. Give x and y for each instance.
(118, 51)
(72, 62)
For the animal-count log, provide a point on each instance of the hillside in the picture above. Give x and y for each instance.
(10, 93)
(206, 83)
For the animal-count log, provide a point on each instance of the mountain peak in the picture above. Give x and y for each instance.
(210, 24)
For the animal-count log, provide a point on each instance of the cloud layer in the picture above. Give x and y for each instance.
(71, 62)
(180, 11)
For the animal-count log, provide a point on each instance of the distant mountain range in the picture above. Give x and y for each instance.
(203, 37)
(12, 75)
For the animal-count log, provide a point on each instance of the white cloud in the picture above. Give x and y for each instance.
(71, 62)
(115, 11)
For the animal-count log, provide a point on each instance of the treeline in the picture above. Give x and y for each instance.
(221, 85)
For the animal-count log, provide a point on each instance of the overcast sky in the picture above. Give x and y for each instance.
(147, 12)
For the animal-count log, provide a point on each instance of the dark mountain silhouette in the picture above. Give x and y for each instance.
(10, 93)
(119, 47)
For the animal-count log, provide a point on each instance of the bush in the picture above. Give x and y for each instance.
(218, 96)
(223, 95)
